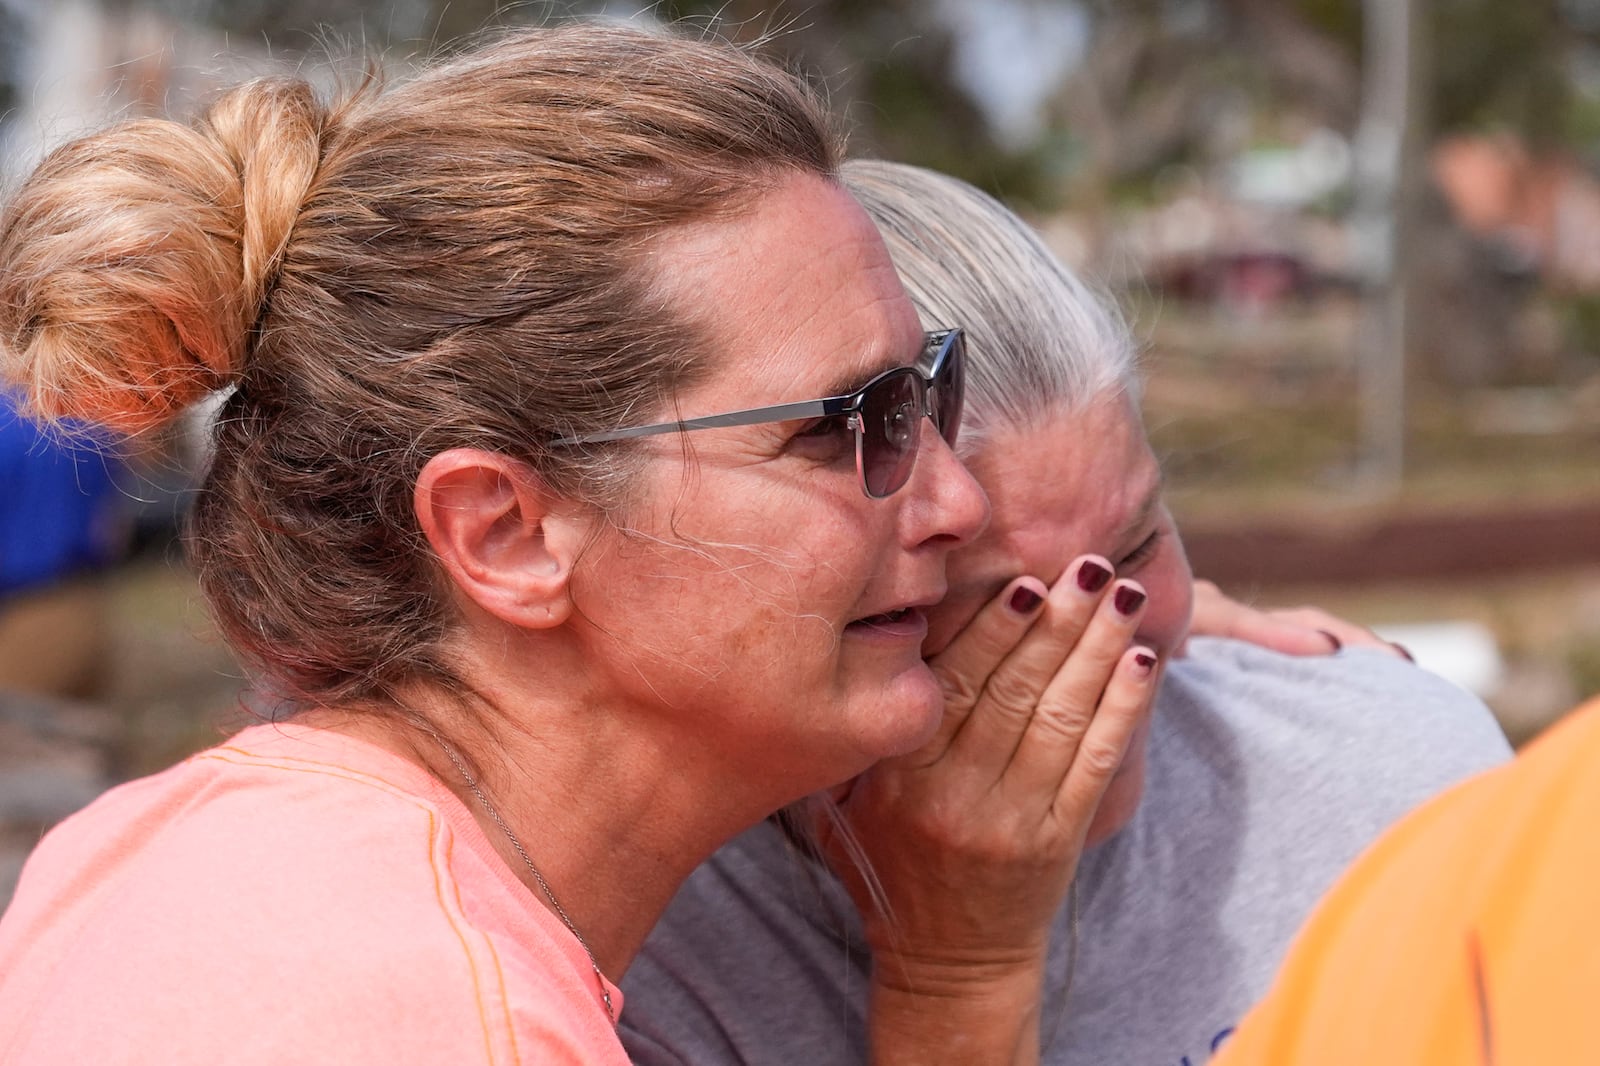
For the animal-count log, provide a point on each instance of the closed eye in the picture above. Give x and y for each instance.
(1142, 554)
(824, 438)
(823, 427)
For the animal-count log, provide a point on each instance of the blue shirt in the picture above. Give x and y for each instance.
(60, 508)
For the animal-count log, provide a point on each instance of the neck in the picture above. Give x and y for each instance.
(612, 814)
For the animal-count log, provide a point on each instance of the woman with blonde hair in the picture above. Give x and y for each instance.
(572, 488)
(1019, 888)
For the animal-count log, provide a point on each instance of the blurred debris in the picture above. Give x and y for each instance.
(1461, 652)
(55, 757)
(1543, 212)
(1383, 545)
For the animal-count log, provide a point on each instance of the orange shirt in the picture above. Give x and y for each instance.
(1470, 933)
(290, 896)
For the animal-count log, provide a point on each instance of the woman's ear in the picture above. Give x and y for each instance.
(507, 543)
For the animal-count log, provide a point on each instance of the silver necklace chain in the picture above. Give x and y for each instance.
(544, 886)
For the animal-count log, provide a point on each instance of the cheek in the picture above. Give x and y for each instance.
(1171, 587)
(801, 564)
(947, 620)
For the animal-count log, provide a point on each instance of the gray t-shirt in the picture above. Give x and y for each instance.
(1267, 775)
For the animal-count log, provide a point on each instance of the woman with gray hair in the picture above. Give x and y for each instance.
(980, 908)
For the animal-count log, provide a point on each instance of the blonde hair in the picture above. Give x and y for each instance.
(1038, 339)
(460, 261)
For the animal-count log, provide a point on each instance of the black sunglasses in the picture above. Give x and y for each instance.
(886, 414)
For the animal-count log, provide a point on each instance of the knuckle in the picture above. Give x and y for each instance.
(1010, 695)
(1100, 759)
(1068, 721)
(942, 825)
(960, 693)
(954, 827)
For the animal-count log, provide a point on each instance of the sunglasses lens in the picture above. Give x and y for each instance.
(891, 418)
(949, 387)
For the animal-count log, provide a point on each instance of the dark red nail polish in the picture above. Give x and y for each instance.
(1024, 599)
(1092, 577)
(1145, 660)
(1338, 645)
(1127, 600)
(1403, 650)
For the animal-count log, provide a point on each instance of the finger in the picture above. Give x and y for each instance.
(1005, 705)
(1073, 697)
(1217, 614)
(966, 664)
(1286, 635)
(1348, 634)
(1104, 750)
(1214, 612)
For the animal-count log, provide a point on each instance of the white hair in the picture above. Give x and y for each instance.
(1038, 339)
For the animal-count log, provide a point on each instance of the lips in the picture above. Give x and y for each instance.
(901, 623)
(901, 617)
(886, 619)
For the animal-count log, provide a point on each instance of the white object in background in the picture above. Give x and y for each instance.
(1463, 652)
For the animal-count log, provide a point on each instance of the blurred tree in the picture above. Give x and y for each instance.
(12, 41)
(1161, 83)
(1195, 81)
(1503, 64)
(888, 66)
(303, 25)
(1495, 63)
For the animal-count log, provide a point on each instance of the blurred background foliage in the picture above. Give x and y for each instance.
(1092, 106)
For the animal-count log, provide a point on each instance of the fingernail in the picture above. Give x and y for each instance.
(1127, 600)
(1092, 577)
(1403, 650)
(1145, 661)
(1338, 645)
(1024, 599)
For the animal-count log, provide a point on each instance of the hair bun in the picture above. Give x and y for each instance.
(134, 263)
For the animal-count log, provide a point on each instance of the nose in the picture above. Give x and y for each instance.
(944, 501)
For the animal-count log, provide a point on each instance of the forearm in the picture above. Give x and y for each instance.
(958, 1016)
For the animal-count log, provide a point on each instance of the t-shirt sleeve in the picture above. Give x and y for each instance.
(647, 1045)
(1437, 732)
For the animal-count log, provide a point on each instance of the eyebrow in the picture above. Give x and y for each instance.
(854, 381)
(1147, 509)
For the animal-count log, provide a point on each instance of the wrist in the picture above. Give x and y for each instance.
(985, 977)
(956, 1013)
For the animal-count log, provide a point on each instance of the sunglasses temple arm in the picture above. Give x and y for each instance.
(754, 416)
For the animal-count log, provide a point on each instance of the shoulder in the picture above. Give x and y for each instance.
(752, 962)
(1245, 667)
(319, 870)
(1481, 900)
(1358, 703)
(1535, 814)
(724, 916)
(759, 875)
(1309, 758)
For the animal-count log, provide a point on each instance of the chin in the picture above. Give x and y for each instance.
(906, 716)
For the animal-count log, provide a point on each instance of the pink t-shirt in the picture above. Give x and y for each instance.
(291, 896)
